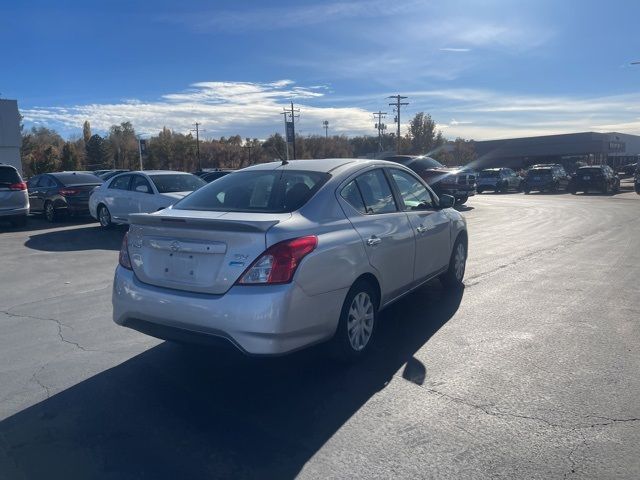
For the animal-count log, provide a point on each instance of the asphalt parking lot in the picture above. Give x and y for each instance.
(530, 372)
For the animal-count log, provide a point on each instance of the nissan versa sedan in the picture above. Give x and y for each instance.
(139, 192)
(280, 256)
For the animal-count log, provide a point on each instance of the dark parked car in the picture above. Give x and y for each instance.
(600, 178)
(214, 175)
(111, 173)
(636, 182)
(63, 193)
(546, 178)
(628, 170)
(458, 183)
(498, 180)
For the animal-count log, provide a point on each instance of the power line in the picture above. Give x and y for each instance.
(380, 126)
(396, 108)
(197, 130)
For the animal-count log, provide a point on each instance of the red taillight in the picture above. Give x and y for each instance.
(18, 186)
(123, 258)
(279, 262)
(68, 192)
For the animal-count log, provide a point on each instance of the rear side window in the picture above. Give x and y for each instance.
(170, 183)
(120, 183)
(351, 194)
(269, 191)
(376, 192)
(9, 176)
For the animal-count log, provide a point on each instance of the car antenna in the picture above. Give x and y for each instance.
(284, 162)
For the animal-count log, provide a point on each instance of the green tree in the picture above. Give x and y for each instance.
(123, 145)
(423, 136)
(97, 152)
(69, 159)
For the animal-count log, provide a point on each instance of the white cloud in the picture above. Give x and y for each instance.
(455, 50)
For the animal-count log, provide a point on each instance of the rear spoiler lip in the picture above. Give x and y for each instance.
(206, 223)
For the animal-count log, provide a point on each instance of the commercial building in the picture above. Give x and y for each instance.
(10, 138)
(614, 149)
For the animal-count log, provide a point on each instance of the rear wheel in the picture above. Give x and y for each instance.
(462, 200)
(454, 275)
(50, 213)
(104, 217)
(357, 322)
(526, 190)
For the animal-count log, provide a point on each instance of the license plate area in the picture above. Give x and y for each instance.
(182, 267)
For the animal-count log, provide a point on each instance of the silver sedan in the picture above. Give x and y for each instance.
(280, 256)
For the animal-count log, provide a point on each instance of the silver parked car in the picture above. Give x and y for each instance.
(14, 198)
(277, 256)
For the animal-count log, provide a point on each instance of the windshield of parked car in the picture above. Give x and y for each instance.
(78, 178)
(489, 174)
(8, 176)
(178, 182)
(270, 191)
(422, 163)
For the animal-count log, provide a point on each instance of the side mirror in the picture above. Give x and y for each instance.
(447, 201)
(142, 189)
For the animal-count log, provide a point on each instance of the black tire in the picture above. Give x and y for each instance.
(50, 213)
(344, 346)
(462, 200)
(616, 188)
(480, 190)
(554, 188)
(453, 278)
(605, 188)
(104, 217)
(20, 221)
(526, 190)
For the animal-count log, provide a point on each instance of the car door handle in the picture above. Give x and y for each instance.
(422, 229)
(373, 240)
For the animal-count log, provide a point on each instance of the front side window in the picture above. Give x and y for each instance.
(140, 181)
(376, 192)
(264, 191)
(120, 183)
(414, 194)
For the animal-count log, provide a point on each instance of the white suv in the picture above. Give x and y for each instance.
(14, 199)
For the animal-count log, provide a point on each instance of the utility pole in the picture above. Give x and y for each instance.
(197, 130)
(291, 134)
(380, 126)
(325, 125)
(248, 148)
(286, 140)
(396, 108)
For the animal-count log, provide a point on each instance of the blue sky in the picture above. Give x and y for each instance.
(483, 69)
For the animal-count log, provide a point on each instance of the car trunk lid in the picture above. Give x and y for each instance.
(197, 251)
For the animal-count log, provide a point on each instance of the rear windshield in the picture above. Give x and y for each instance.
(590, 170)
(77, 178)
(540, 171)
(8, 176)
(271, 191)
(179, 182)
(489, 174)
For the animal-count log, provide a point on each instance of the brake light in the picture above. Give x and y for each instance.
(68, 192)
(18, 186)
(123, 258)
(279, 262)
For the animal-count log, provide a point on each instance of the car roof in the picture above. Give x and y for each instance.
(313, 165)
(154, 172)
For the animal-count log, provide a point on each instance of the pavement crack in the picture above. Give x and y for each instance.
(35, 378)
(58, 323)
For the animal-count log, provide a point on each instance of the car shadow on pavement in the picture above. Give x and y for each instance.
(37, 222)
(179, 412)
(91, 237)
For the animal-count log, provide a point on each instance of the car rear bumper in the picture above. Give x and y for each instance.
(14, 212)
(258, 320)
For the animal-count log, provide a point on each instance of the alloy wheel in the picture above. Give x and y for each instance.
(360, 321)
(104, 216)
(49, 212)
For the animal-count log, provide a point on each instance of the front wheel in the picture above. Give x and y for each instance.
(357, 322)
(454, 275)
